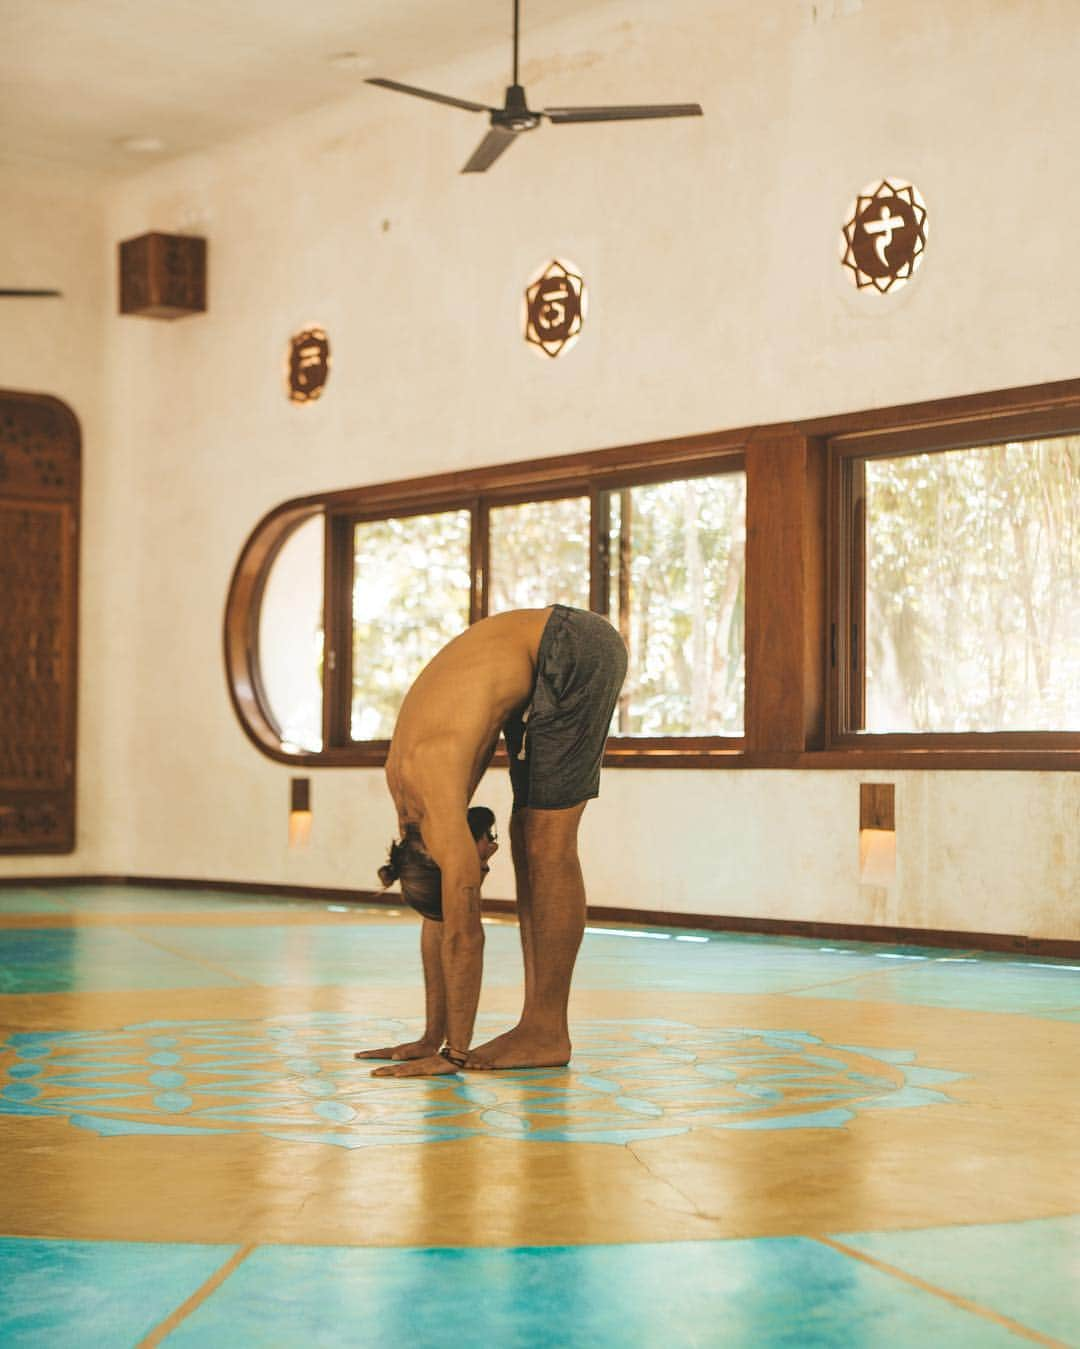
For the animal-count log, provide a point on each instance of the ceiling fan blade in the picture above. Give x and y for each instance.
(489, 149)
(627, 114)
(435, 98)
(28, 293)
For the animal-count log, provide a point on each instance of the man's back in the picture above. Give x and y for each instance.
(450, 719)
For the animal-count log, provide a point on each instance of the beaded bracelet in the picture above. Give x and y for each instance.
(454, 1056)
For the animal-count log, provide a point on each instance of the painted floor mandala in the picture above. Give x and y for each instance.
(294, 1078)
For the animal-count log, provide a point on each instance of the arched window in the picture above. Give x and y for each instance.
(337, 603)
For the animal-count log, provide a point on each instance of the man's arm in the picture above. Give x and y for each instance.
(462, 944)
(447, 839)
(434, 985)
(434, 999)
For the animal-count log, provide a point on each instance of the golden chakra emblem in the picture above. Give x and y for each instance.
(555, 303)
(885, 235)
(308, 366)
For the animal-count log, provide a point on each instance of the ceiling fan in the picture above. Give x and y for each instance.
(515, 116)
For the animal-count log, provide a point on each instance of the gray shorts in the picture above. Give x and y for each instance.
(556, 744)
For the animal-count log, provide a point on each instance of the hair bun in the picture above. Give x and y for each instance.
(391, 869)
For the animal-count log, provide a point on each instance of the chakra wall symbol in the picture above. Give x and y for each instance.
(885, 235)
(308, 365)
(555, 308)
(294, 1078)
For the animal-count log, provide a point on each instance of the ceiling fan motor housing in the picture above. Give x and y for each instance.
(515, 114)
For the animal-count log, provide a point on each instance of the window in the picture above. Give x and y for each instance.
(539, 554)
(410, 596)
(670, 560)
(961, 589)
(885, 589)
(677, 569)
(664, 557)
(291, 639)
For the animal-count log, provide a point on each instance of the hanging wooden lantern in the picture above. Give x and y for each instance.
(163, 276)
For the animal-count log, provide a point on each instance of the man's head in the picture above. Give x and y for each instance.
(421, 880)
(420, 877)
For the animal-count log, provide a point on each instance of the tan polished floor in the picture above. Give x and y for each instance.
(181, 1073)
(1005, 1147)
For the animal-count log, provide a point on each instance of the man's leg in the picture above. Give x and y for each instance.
(523, 889)
(552, 920)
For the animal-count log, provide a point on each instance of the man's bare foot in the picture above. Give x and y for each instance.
(520, 1048)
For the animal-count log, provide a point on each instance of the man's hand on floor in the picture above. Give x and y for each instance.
(433, 1066)
(415, 1049)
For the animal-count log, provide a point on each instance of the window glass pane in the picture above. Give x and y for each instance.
(973, 589)
(539, 555)
(411, 584)
(291, 638)
(677, 591)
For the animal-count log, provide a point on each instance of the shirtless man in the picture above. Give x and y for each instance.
(549, 679)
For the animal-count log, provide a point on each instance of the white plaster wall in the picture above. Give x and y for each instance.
(717, 300)
(975, 852)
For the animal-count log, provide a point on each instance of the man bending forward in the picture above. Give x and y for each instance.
(549, 679)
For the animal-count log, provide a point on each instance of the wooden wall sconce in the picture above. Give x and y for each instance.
(299, 812)
(163, 276)
(877, 833)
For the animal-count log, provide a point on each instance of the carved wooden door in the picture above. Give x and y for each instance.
(39, 529)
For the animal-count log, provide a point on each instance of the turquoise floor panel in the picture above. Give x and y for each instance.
(985, 984)
(63, 960)
(141, 899)
(788, 1292)
(95, 1294)
(373, 955)
(1029, 1271)
(780, 1292)
(359, 949)
(721, 964)
(35, 901)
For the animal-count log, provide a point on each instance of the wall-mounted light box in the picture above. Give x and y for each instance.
(163, 276)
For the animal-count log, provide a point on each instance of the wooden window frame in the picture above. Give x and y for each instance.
(589, 476)
(795, 579)
(967, 423)
(594, 487)
(848, 456)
